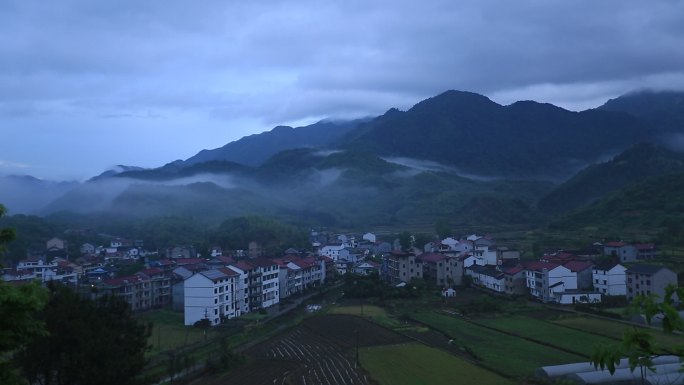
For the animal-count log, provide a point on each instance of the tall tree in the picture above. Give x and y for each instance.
(18, 326)
(90, 342)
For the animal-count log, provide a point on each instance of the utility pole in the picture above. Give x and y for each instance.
(356, 364)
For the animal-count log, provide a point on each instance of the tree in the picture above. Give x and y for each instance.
(90, 342)
(443, 228)
(18, 326)
(405, 241)
(639, 345)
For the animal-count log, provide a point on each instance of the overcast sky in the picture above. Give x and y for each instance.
(86, 85)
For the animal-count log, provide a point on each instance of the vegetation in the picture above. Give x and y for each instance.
(639, 345)
(427, 366)
(546, 332)
(18, 324)
(502, 353)
(89, 342)
(596, 181)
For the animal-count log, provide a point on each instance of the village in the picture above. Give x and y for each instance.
(218, 285)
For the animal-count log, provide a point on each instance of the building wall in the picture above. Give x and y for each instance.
(611, 282)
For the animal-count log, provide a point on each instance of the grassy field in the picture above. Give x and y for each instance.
(574, 340)
(168, 331)
(615, 329)
(372, 312)
(428, 366)
(498, 351)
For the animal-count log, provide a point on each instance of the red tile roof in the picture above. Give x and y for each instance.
(645, 246)
(539, 266)
(576, 266)
(118, 281)
(513, 270)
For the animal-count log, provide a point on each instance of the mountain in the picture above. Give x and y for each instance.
(663, 111)
(255, 149)
(24, 194)
(456, 156)
(523, 140)
(596, 181)
(654, 205)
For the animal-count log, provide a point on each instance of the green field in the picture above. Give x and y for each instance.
(498, 351)
(427, 366)
(168, 331)
(372, 312)
(615, 329)
(573, 340)
(362, 310)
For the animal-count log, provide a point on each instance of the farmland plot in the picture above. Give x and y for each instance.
(319, 351)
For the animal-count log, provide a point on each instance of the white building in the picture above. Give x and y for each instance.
(211, 294)
(609, 279)
(333, 251)
(546, 279)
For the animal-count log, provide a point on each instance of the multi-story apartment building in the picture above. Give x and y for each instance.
(160, 286)
(643, 279)
(401, 267)
(211, 294)
(442, 269)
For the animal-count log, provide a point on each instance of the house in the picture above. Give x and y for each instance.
(623, 251)
(545, 279)
(56, 244)
(181, 252)
(216, 251)
(254, 250)
(160, 286)
(583, 271)
(643, 279)
(134, 289)
(441, 269)
(514, 281)
(333, 250)
(401, 267)
(488, 277)
(448, 292)
(87, 248)
(211, 295)
(609, 278)
(366, 268)
(646, 251)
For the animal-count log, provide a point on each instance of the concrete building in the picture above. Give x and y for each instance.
(609, 278)
(211, 294)
(643, 279)
(401, 267)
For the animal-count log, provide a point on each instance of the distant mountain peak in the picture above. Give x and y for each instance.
(455, 99)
